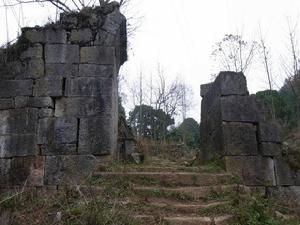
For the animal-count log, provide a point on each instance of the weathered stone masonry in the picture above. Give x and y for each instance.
(234, 126)
(58, 98)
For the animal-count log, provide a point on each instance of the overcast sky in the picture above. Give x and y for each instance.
(179, 34)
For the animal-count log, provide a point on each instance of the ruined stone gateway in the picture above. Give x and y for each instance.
(59, 98)
(234, 126)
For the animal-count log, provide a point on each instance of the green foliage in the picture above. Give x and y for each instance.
(270, 98)
(187, 132)
(150, 122)
(254, 210)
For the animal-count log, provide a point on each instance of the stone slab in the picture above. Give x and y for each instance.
(66, 170)
(96, 136)
(285, 176)
(4, 171)
(61, 70)
(270, 149)
(241, 109)
(93, 70)
(57, 131)
(46, 36)
(204, 88)
(59, 149)
(87, 86)
(44, 113)
(18, 145)
(61, 54)
(81, 107)
(48, 87)
(104, 38)
(34, 69)
(240, 139)
(34, 52)
(18, 121)
(81, 36)
(269, 132)
(97, 55)
(231, 83)
(6, 103)
(254, 170)
(13, 88)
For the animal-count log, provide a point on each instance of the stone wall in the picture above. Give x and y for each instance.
(234, 127)
(59, 97)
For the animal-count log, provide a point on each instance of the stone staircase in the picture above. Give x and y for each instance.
(167, 192)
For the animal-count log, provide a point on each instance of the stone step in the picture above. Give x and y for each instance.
(167, 178)
(136, 168)
(185, 220)
(166, 206)
(188, 193)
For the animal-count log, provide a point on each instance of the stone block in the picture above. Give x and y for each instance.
(44, 113)
(48, 87)
(34, 52)
(254, 170)
(231, 83)
(285, 176)
(57, 131)
(93, 70)
(96, 136)
(104, 38)
(87, 86)
(21, 102)
(18, 145)
(13, 88)
(270, 149)
(4, 171)
(41, 102)
(53, 36)
(34, 69)
(204, 88)
(12, 69)
(97, 55)
(18, 121)
(113, 22)
(81, 107)
(34, 102)
(240, 139)
(68, 170)
(6, 103)
(81, 36)
(59, 149)
(269, 132)
(61, 70)
(241, 109)
(27, 170)
(61, 54)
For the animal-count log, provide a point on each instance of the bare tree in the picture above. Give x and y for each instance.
(234, 54)
(290, 65)
(171, 97)
(265, 56)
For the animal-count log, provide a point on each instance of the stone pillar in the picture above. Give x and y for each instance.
(234, 127)
(59, 98)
